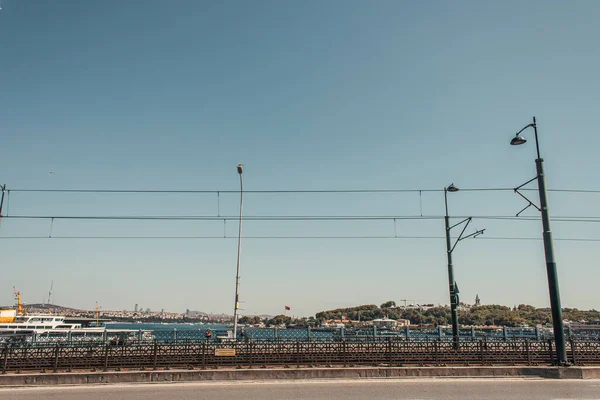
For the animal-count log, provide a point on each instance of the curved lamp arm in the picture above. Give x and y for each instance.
(532, 125)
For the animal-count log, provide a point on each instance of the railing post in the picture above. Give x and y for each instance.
(5, 362)
(140, 335)
(155, 361)
(308, 333)
(537, 332)
(527, 351)
(174, 335)
(56, 356)
(407, 331)
(440, 331)
(250, 350)
(374, 331)
(390, 350)
(435, 350)
(106, 351)
(276, 334)
(551, 352)
(504, 332)
(204, 344)
(482, 355)
(572, 341)
(472, 332)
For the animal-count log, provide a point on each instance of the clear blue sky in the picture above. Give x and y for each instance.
(308, 95)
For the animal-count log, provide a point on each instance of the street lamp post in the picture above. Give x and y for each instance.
(451, 281)
(453, 287)
(240, 170)
(557, 321)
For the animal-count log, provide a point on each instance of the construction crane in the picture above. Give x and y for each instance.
(18, 299)
(97, 314)
(50, 294)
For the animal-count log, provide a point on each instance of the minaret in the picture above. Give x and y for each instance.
(477, 300)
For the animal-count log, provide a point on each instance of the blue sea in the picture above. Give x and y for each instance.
(168, 332)
(173, 331)
(167, 327)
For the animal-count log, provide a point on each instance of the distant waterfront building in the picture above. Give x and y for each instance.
(135, 309)
(385, 323)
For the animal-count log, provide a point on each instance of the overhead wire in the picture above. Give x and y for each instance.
(592, 219)
(219, 217)
(141, 191)
(279, 191)
(298, 237)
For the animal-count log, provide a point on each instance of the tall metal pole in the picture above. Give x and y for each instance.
(240, 169)
(451, 282)
(555, 306)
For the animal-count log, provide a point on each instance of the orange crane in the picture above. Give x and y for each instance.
(97, 314)
(18, 298)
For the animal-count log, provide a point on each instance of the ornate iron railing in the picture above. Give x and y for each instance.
(193, 354)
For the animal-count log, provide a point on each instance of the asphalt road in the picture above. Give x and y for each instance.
(489, 389)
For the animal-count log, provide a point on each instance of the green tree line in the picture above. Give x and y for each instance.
(485, 315)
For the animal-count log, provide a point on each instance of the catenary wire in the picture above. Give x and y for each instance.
(592, 219)
(297, 237)
(142, 191)
(193, 191)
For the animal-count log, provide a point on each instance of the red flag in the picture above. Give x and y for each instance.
(287, 308)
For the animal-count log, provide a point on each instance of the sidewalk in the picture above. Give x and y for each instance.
(183, 375)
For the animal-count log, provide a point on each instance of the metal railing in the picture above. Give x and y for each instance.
(387, 351)
(305, 334)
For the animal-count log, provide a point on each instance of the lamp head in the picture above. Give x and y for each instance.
(517, 140)
(452, 188)
(240, 168)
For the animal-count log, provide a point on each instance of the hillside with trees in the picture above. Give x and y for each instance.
(485, 315)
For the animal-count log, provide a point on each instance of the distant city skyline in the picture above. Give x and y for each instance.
(308, 96)
(136, 309)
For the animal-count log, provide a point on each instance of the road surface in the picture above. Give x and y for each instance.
(463, 389)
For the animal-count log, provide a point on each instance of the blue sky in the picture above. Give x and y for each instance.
(308, 95)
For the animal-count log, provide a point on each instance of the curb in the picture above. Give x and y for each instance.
(86, 378)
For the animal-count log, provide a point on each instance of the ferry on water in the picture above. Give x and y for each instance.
(42, 323)
(7, 315)
(51, 327)
(16, 320)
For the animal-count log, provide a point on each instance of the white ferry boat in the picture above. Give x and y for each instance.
(40, 323)
(17, 320)
(51, 327)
